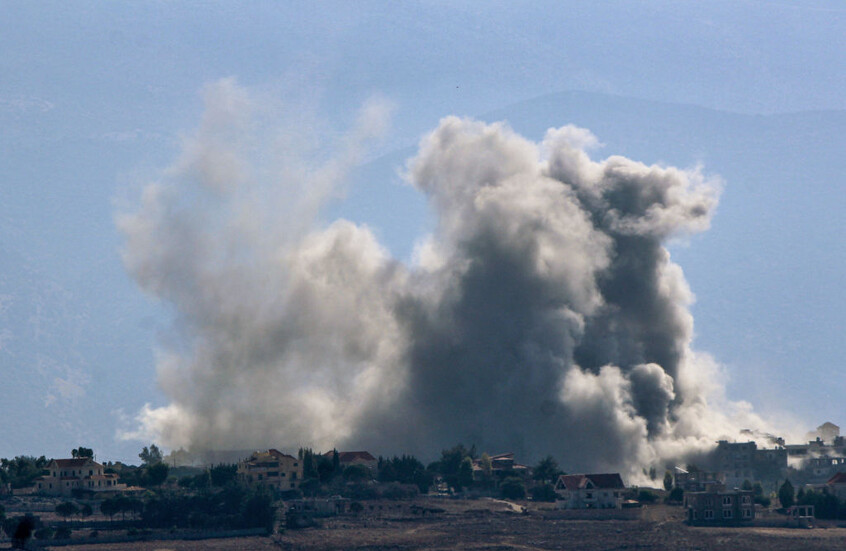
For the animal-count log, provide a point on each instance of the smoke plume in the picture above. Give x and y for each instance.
(543, 315)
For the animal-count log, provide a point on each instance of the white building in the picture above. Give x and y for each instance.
(80, 474)
(589, 491)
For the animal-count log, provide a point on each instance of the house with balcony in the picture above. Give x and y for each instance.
(66, 477)
(271, 469)
(589, 491)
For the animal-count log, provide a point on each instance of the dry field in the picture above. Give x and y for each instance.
(495, 525)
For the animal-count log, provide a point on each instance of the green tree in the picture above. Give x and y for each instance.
(22, 471)
(24, 527)
(668, 480)
(465, 472)
(356, 473)
(156, 474)
(543, 492)
(309, 460)
(512, 487)
(86, 511)
(258, 512)
(546, 470)
(786, 495)
(747, 485)
(82, 452)
(487, 467)
(151, 456)
(221, 475)
(109, 507)
(676, 495)
(66, 509)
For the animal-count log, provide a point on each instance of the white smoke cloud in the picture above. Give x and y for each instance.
(543, 314)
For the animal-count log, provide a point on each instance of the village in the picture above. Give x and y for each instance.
(293, 498)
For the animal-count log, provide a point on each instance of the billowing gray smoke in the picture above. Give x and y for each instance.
(543, 315)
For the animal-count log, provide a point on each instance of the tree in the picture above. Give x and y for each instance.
(66, 509)
(786, 494)
(309, 460)
(82, 452)
(22, 471)
(156, 474)
(546, 470)
(23, 531)
(356, 473)
(747, 485)
(668, 480)
(151, 456)
(487, 467)
(512, 487)
(544, 492)
(676, 495)
(450, 463)
(109, 507)
(465, 473)
(221, 475)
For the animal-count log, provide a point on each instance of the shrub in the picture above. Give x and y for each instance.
(544, 492)
(45, 533)
(512, 488)
(645, 496)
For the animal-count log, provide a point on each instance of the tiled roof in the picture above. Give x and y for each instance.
(839, 478)
(277, 453)
(74, 463)
(601, 481)
(348, 457)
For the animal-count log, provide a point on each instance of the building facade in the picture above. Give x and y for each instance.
(271, 469)
(719, 507)
(589, 491)
(68, 476)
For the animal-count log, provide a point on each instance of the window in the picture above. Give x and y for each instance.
(727, 501)
(746, 500)
(727, 513)
(747, 513)
(708, 514)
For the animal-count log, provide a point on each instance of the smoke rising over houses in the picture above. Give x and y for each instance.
(542, 315)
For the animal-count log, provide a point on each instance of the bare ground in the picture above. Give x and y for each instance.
(497, 525)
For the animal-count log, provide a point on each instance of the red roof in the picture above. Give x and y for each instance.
(349, 457)
(600, 481)
(277, 453)
(74, 463)
(839, 478)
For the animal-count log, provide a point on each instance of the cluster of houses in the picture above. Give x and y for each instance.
(711, 496)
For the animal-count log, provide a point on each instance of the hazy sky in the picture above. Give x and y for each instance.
(96, 100)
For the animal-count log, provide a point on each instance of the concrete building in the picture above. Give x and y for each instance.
(589, 491)
(697, 481)
(719, 507)
(271, 469)
(68, 476)
(502, 465)
(738, 462)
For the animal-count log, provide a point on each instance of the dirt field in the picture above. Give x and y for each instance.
(496, 525)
